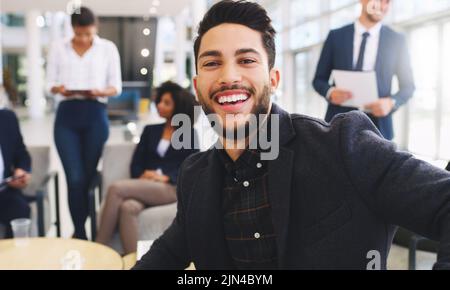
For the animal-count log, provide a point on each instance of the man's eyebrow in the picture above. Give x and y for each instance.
(246, 50)
(238, 52)
(210, 53)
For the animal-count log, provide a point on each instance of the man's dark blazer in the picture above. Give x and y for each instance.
(392, 59)
(336, 191)
(14, 152)
(146, 157)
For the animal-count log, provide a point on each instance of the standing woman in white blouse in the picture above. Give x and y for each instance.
(154, 170)
(83, 72)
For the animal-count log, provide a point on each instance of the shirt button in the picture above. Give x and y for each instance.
(257, 235)
(258, 165)
(246, 183)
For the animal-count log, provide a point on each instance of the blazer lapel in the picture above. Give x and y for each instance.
(349, 39)
(280, 174)
(4, 146)
(382, 54)
(280, 180)
(156, 136)
(209, 234)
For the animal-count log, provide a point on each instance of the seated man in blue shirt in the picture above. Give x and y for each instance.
(15, 165)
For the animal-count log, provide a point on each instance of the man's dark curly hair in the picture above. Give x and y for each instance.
(246, 13)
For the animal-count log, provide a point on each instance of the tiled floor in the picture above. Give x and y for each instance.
(398, 259)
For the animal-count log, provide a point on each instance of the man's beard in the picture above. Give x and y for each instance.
(374, 18)
(261, 107)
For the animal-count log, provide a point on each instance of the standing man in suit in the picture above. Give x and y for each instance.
(329, 200)
(367, 45)
(14, 162)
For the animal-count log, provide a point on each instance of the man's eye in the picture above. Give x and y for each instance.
(247, 61)
(211, 63)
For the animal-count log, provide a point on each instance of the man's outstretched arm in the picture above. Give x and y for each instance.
(399, 188)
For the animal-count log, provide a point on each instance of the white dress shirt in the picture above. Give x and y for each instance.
(98, 68)
(371, 51)
(2, 165)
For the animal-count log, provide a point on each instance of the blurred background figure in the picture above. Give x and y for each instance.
(84, 70)
(15, 166)
(154, 170)
(367, 45)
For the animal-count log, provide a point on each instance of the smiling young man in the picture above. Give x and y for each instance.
(329, 200)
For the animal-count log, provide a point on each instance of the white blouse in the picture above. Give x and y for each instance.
(98, 68)
(163, 146)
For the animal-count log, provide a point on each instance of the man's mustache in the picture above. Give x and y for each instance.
(249, 90)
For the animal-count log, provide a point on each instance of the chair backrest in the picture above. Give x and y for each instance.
(116, 163)
(40, 167)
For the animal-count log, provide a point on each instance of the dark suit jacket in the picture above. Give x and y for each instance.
(14, 152)
(392, 59)
(336, 191)
(145, 156)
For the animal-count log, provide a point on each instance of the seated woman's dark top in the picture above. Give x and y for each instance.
(145, 156)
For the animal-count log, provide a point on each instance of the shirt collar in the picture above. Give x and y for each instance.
(374, 31)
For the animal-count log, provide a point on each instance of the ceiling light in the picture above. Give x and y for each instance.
(146, 31)
(144, 71)
(40, 21)
(145, 52)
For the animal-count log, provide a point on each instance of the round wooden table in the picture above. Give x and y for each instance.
(129, 261)
(56, 254)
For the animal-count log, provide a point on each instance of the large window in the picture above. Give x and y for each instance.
(306, 101)
(304, 9)
(407, 9)
(444, 150)
(344, 16)
(423, 118)
(429, 125)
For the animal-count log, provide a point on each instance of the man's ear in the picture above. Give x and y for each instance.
(194, 80)
(274, 79)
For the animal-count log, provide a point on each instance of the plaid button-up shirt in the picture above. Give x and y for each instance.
(247, 214)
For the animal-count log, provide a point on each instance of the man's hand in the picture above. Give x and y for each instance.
(382, 107)
(23, 178)
(339, 96)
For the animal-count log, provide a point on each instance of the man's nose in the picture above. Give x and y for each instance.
(230, 74)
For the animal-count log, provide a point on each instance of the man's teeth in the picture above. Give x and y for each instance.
(232, 98)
